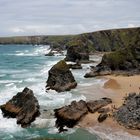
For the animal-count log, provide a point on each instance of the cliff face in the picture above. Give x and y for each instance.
(77, 50)
(107, 40)
(53, 41)
(125, 60)
(110, 40)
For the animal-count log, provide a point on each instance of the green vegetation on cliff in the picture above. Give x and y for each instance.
(106, 40)
(61, 65)
(127, 58)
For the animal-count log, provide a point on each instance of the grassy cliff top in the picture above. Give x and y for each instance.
(105, 40)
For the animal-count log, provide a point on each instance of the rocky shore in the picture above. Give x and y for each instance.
(119, 62)
(60, 78)
(122, 106)
(23, 106)
(104, 41)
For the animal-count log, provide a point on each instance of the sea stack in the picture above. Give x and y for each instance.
(60, 78)
(77, 50)
(23, 106)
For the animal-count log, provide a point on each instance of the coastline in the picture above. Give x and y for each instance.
(116, 88)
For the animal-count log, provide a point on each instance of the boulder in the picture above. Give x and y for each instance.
(70, 115)
(94, 106)
(102, 117)
(128, 114)
(119, 62)
(77, 65)
(51, 53)
(77, 50)
(23, 106)
(104, 110)
(60, 78)
(98, 71)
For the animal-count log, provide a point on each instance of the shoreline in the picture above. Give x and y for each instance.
(116, 88)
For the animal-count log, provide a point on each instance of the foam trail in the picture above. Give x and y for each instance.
(110, 134)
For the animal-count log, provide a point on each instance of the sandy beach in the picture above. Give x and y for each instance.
(116, 88)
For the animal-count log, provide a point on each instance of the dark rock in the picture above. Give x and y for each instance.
(77, 50)
(98, 71)
(56, 52)
(60, 78)
(74, 66)
(51, 53)
(102, 117)
(94, 106)
(104, 110)
(105, 40)
(120, 61)
(23, 106)
(77, 65)
(71, 114)
(128, 114)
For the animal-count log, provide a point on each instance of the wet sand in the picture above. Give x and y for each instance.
(116, 88)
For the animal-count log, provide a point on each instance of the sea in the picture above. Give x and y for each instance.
(27, 66)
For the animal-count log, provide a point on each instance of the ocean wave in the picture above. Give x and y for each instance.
(10, 84)
(10, 81)
(8, 92)
(110, 134)
(12, 71)
(8, 125)
(2, 75)
(36, 51)
(30, 80)
(43, 123)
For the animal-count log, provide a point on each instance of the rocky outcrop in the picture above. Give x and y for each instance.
(60, 78)
(102, 117)
(55, 52)
(23, 106)
(122, 61)
(70, 115)
(94, 106)
(106, 40)
(77, 65)
(98, 71)
(77, 50)
(128, 114)
(51, 53)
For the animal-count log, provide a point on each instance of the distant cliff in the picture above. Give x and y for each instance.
(106, 40)
(125, 60)
(54, 41)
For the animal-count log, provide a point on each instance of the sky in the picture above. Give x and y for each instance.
(60, 17)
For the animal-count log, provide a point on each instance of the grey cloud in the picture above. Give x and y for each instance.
(29, 17)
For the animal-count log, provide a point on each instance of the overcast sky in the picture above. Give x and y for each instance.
(51, 17)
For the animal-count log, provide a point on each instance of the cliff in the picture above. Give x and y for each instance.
(125, 60)
(106, 40)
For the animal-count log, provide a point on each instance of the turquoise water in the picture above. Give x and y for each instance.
(26, 65)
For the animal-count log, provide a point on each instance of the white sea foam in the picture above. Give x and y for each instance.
(2, 75)
(10, 84)
(37, 50)
(42, 123)
(37, 82)
(8, 92)
(8, 125)
(10, 81)
(53, 130)
(42, 49)
(110, 134)
(30, 79)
